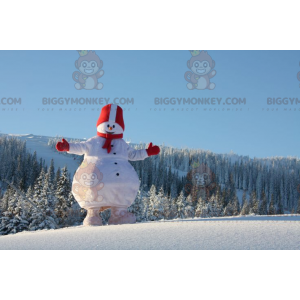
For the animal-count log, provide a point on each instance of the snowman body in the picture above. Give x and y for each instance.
(105, 179)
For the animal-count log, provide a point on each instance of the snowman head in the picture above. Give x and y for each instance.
(111, 120)
(110, 127)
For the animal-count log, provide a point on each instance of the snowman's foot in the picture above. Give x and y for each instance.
(92, 218)
(120, 215)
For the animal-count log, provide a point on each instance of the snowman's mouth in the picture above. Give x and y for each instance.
(109, 132)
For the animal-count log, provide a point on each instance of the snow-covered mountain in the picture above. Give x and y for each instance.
(275, 175)
(267, 186)
(39, 144)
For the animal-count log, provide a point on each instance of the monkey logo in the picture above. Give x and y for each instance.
(200, 179)
(89, 64)
(201, 66)
(89, 183)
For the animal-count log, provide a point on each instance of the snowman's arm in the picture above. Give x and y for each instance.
(134, 154)
(79, 148)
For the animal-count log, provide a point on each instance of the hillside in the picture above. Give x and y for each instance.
(178, 183)
(39, 144)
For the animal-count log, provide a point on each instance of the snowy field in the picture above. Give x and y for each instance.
(245, 233)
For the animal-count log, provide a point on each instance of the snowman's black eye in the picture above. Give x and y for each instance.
(113, 126)
(107, 125)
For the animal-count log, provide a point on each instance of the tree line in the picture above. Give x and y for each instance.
(173, 185)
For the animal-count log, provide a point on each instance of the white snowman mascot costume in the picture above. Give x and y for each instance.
(106, 179)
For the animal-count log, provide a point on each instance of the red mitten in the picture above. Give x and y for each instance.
(63, 146)
(152, 150)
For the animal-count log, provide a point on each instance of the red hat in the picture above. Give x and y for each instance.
(111, 112)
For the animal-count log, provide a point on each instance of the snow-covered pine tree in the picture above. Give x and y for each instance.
(155, 211)
(201, 211)
(298, 207)
(34, 169)
(145, 206)
(271, 210)
(259, 184)
(245, 209)
(152, 200)
(254, 203)
(51, 173)
(57, 177)
(232, 208)
(280, 209)
(29, 193)
(236, 205)
(219, 198)
(75, 214)
(1, 204)
(38, 186)
(228, 211)
(105, 215)
(190, 208)
(263, 208)
(245, 183)
(62, 196)
(251, 202)
(224, 199)
(195, 193)
(167, 208)
(172, 213)
(162, 199)
(244, 198)
(250, 183)
(42, 216)
(137, 207)
(214, 209)
(6, 198)
(181, 205)
(148, 172)
(231, 187)
(173, 192)
(47, 193)
(14, 219)
(168, 182)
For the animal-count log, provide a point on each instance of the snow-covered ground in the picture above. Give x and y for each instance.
(257, 232)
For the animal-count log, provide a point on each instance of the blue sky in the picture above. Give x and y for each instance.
(145, 75)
